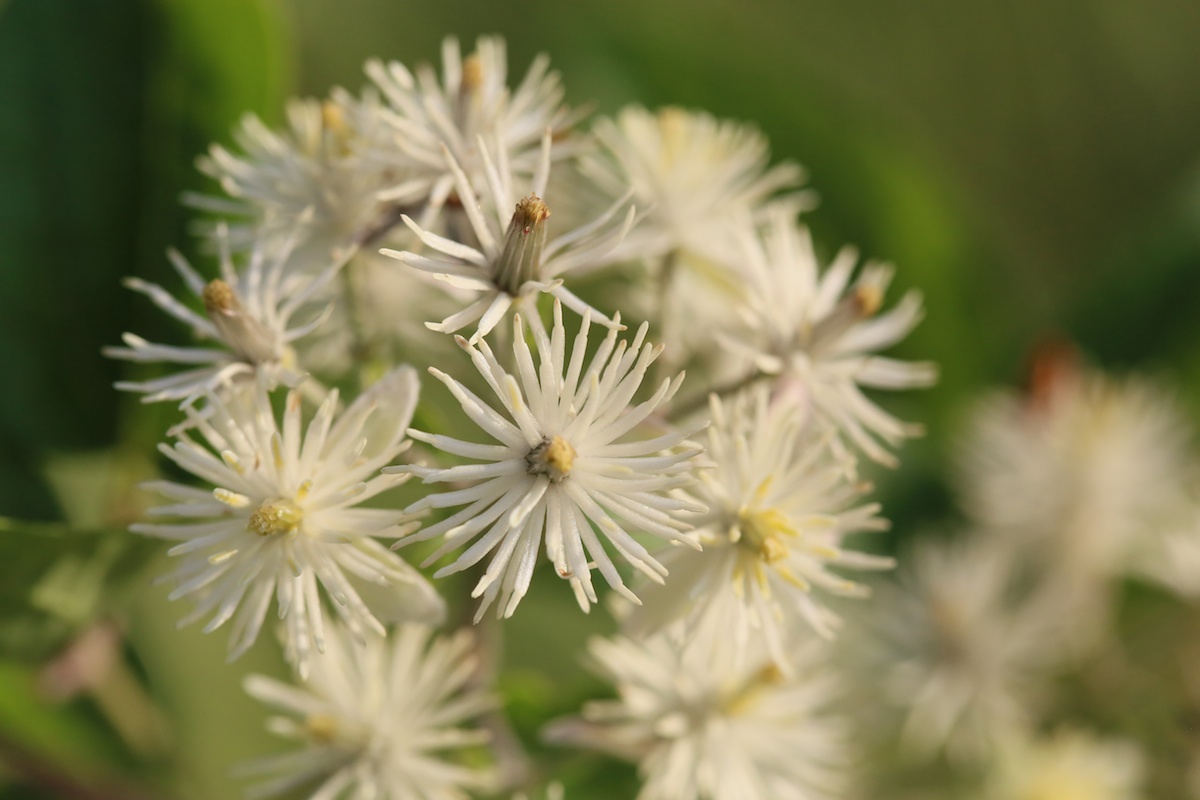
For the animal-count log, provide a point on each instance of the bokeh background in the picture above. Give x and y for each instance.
(1033, 166)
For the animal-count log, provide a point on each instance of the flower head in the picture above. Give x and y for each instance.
(780, 503)
(515, 260)
(557, 467)
(469, 108)
(249, 315)
(380, 719)
(694, 173)
(711, 728)
(820, 332)
(284, 520)
(1069, 765)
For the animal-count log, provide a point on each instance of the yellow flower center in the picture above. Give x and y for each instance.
(764, 531)
(553, 458)
(274, 517)
(321, 728)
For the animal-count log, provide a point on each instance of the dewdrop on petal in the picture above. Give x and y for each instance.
(558, 466)
(284, 519)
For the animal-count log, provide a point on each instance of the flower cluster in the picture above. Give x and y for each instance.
(573, 445)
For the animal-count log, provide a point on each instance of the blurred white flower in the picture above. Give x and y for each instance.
(1070, 765)
(249, 316)
(284, 519)
(702, 724)
(381, 720)
(470, 108)
(557, 467)
(693, 173)
(953, 651)
(780, 503)
(310, 169)
(515, 260)
(1102, 468)
(820, 332)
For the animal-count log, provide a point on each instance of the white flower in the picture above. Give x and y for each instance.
(381, 720)
(309, 168)
(284, 520)
(780, 503)
(249, 316)
(514, 261)
(808, 327)
(702, 727)
(956, 652)
(557, 468)
(1070, 765)
(472, 104)
(1101, 466)
(694, 173)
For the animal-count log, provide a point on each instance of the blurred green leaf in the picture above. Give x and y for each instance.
(54, 579)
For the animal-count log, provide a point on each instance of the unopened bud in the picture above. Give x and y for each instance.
(246, 336)
(521, 258)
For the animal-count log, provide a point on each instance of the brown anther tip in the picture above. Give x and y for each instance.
(868, 299)
(218, 297)
(530, 211)
(472, 73)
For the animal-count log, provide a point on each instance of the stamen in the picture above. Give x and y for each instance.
(275, 517)
(521, 259)
(247, 337)
(553, 458)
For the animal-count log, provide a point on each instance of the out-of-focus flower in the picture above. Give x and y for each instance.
(307, 170)
(953, 652)
(557, 467)
(381, 719)
(249, 317)
(821, 332)
(285, 518)
(702, 723)
(470, 109)
(780, 503)
(1101, 467)
(515, 260)
(694, 174)
(1070, 765)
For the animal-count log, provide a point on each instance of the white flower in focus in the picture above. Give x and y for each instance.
(1101, 466)
(820, 332)
(780, 503)
(248, 316)
(1070, 765)
(284, 519)
(381, 719)
(694, 173)
(308, 168)
(704, 728)
(514, 261)
(953, 651)
(472, 104)
(557, 468)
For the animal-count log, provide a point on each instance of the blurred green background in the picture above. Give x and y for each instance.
(1032, 166)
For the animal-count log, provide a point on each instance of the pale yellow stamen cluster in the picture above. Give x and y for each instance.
(275, 517)
(554, 458)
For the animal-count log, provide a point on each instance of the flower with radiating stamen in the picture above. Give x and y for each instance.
(705, 723)
(471, 105)
(285, 519)
(382, 719)
(310, 169)
(248, 315)
(821, 332)
(515, 260)
(781, 501)
(693, 172)
(557, 466)
(955, 654)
